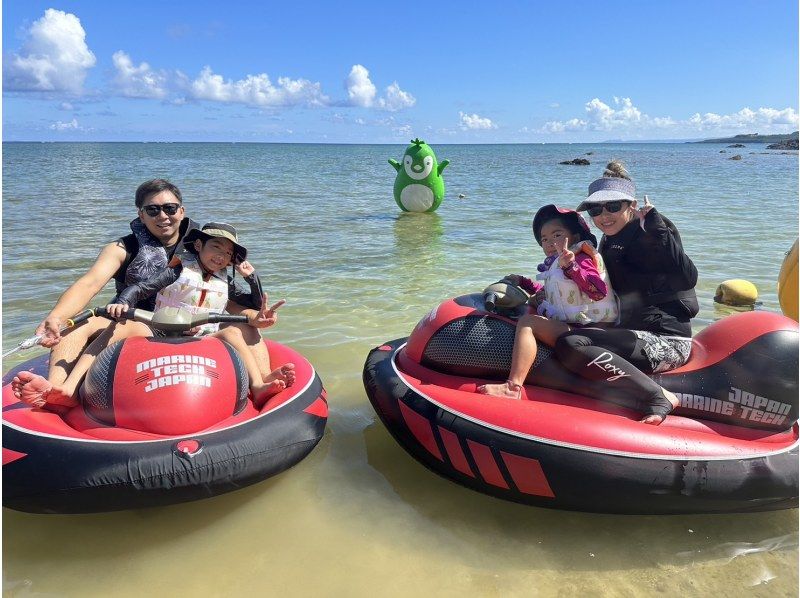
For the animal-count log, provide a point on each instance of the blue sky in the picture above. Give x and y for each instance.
(380, 72)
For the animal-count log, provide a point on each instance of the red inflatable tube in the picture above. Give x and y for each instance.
(81, 461)
(558, 448)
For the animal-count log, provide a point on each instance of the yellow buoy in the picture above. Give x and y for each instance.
(787, 283)
(736, 292)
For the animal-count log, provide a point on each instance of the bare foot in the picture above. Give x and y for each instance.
(265, 391)
(285, 374)
(20, 380)
(37, 391)
(662, 410)
(506, 389)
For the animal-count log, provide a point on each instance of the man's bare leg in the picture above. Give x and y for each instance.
(66, 353)
(36, 390)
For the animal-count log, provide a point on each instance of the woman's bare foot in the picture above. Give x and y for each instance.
(507, 389)
(37, 391)
(285, 374)
(661, 409)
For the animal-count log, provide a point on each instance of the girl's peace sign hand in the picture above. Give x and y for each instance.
(266, 317)
(565, 256)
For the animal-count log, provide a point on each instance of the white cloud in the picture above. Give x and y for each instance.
(473, 121)
(54, 57)
(138, 81)
(396, 99)
(574, 124)
(360, 89)
(624, 116)
(257, 90)
(744, 119)
(62, 126)
(603, 117)
(362, 92)
(66, 106)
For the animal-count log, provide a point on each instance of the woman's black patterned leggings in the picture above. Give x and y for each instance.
(613, 355)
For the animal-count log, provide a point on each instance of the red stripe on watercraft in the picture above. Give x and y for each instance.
(421, 429)
(527, 474)
(486, 464)
(10, 456)
(318, 408)
(454, 451)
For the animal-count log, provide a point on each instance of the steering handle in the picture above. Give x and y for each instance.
(172, 320)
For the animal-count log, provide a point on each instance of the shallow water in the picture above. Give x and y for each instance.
(359, 515)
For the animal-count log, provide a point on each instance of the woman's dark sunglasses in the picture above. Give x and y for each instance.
(153, 210)
(610, 206)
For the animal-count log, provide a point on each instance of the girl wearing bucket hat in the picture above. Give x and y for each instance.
(654, 280)
(197, 281)
(575, 286)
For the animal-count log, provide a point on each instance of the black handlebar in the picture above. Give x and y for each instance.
(220, 318)
(174, 323)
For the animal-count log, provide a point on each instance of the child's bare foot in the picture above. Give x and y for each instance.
(285, 374)
(265, 391)
(507, 389)
(37, 391)
(658, 411)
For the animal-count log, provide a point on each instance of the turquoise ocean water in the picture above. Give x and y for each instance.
(322, 228)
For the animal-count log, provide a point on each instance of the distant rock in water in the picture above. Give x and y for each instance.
(737, 145)
(722, 152)
(589, 153)
(787, 144)
(576, 162)
(736, 157)
(461, 196)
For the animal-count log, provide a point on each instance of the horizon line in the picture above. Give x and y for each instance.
(607, 142)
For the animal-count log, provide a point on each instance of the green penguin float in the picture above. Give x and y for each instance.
(419, 186)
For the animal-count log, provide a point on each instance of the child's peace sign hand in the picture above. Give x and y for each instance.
(266, 317)
(565, 256)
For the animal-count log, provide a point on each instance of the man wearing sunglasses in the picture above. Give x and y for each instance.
(155, 234)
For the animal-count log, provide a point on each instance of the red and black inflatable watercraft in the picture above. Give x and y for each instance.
(161, 421)
(576, 444)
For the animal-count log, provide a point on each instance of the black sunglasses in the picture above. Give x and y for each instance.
(153, 210)
(610, 206)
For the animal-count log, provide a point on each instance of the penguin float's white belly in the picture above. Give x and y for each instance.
(416, 198)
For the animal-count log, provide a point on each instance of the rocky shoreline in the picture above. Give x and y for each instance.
(787, 144)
